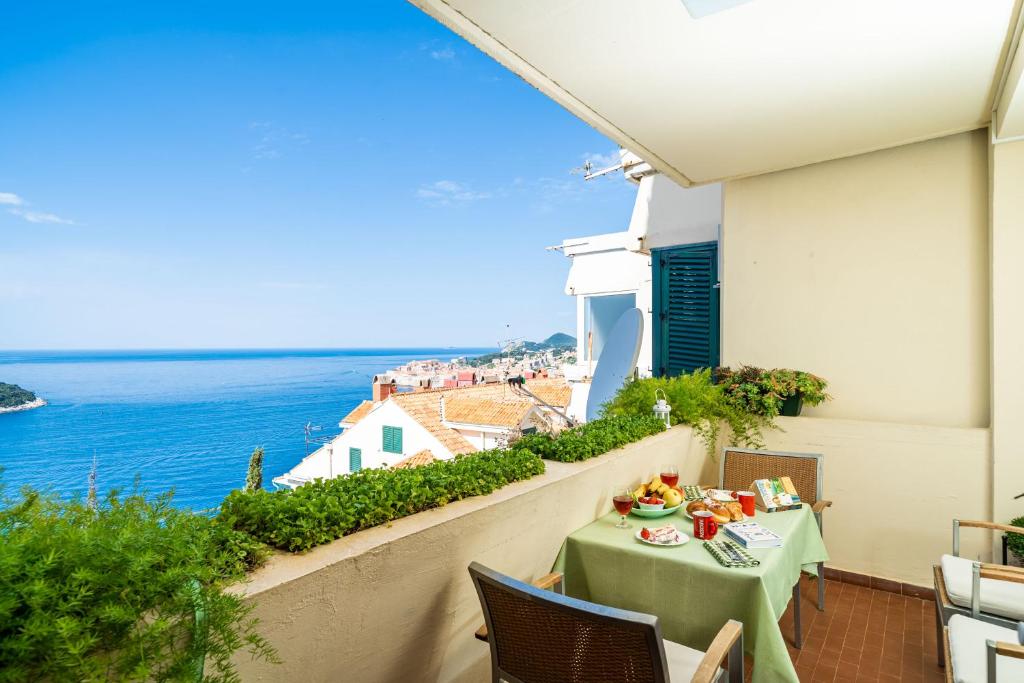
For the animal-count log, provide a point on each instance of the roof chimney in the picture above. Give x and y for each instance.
(381, 390)
(440, 406)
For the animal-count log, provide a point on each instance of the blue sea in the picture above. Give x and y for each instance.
(181, 420)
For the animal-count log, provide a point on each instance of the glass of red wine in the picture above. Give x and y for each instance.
(622, 498)
(669, 475)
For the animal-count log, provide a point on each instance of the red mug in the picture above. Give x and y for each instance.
(704, 525)
(746, 499)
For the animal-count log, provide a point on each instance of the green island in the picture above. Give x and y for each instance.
(12, 396)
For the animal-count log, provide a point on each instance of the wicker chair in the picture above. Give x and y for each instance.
(991, 593)
(980, 652)
(539, 636)
(741, 466)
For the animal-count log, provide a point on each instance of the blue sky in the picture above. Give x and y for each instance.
(279, 174)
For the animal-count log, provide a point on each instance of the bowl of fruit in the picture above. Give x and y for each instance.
(650, 503)
(656, 499)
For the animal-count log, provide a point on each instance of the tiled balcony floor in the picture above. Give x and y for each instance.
(863, 635)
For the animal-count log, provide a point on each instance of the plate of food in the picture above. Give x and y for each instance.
(656, 499)
(724, 512)
(666, 535)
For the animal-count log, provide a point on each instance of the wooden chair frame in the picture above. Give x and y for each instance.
(993, 649)
(817, 508)
(727, 644)
(944, 606)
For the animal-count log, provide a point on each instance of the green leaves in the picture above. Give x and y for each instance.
(697, 401)
(1014, 541)
(98, 595)
(762, 392)
(325, 510)
(591, 439)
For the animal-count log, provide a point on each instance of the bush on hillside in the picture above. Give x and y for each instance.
(109, 593)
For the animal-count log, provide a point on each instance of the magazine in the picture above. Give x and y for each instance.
(753, 535)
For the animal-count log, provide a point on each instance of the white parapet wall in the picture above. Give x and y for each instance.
(395, 603)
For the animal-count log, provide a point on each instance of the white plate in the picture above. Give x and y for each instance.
(683, 539)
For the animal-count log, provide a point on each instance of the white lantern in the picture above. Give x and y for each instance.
(662, 408)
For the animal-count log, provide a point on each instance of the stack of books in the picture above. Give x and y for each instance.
(753, 535)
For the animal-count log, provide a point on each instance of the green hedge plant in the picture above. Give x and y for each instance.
(696, 401)
(108, 593)
(591, 439)
(326, 509)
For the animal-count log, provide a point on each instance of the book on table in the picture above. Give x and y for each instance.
(753, 535)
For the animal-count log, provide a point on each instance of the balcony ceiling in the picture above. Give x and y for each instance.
(762, 86)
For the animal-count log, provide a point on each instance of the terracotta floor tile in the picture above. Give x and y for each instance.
(863, 635)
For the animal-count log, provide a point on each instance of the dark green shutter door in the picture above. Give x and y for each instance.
(685, 283)
(355, 459)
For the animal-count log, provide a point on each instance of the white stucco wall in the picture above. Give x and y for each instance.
(666, 214)
(367, 435)
(873, 272)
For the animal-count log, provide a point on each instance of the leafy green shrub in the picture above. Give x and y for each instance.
(762, 392)
(695, 401)
(591, 439)
(324, 510)
(1015, 542)
(109, 593)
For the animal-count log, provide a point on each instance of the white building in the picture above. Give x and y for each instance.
(415, 428)
(613, 272)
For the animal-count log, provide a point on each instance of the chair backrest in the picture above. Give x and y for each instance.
(538, 636)
(741, 466)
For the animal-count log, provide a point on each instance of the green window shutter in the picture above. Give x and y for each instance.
(392, 439)
(686, 308)
(355, 459)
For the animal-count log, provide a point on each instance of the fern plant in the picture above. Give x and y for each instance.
(697, 401)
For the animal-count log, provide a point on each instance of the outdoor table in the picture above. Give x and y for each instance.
(688, 590)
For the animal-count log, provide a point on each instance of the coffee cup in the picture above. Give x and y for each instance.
(746, 499)
(704, 525)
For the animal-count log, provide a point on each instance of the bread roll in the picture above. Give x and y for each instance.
(720, 512)
(735, 511)
(696, 505)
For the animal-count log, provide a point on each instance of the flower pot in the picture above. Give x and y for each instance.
(792, 405)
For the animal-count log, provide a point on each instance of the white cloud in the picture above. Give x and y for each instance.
(445, 54)
(448, 193)
(11, 199)
(273, 140)
(40, 217)
(600, 161)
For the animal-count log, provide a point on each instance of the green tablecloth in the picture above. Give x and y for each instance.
(688, 590)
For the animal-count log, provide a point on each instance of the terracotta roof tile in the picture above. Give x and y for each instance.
(485, 411)
(424, 457)
(425, 406)
(358, 413)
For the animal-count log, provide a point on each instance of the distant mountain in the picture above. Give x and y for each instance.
(556, 342)
(560, 340)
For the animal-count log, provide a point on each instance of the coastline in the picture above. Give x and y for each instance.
(38, 403)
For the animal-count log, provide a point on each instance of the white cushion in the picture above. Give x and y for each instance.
(1003, 598)
(683, 662)
(970, 656)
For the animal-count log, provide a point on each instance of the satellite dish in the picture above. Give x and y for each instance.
(617, 361)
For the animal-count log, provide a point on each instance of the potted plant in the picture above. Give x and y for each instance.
(772, 392)
(1015, 542)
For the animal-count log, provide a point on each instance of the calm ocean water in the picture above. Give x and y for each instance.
(182, 420)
